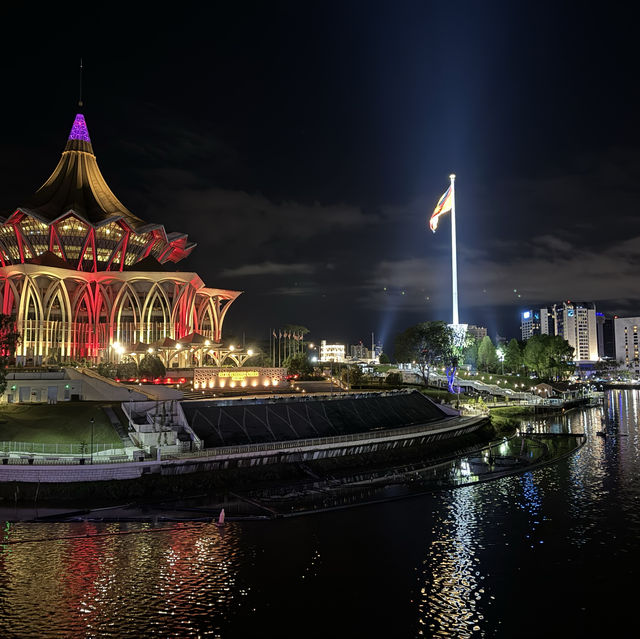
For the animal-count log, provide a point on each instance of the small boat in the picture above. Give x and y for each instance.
(220, 521)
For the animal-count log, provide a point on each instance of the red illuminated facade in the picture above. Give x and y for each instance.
(79, 272)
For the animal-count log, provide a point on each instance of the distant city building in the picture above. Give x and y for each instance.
(359, 351)
(331, 352)
(477, 332)
(626, 340)
(575, 322)
(606, 336)
(529, 323)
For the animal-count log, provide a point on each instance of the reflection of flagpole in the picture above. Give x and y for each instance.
(454, 264)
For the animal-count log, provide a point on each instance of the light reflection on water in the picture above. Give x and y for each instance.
(461, 581)
(492, 559)
(452, 581)
(142, 584)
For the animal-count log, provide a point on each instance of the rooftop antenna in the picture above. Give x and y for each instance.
(80, 90)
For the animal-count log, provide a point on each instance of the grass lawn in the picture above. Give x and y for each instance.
(57, 423)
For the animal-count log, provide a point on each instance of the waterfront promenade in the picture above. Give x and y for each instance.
(331, 419)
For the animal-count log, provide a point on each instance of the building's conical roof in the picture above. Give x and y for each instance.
(76, 185)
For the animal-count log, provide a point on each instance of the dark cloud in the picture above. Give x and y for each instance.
(268, 268)
(303, 147)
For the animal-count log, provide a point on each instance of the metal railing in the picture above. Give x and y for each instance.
(64, 461)
(322, 441)
(57, 448)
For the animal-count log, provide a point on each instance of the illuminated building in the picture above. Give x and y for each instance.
(529, 323)
(331, 352)
(626, 340)
(85, 278)
(575, 322)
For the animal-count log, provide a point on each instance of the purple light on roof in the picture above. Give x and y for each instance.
(79, 129)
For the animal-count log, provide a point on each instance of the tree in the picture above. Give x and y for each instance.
(560, 354)
(352, 376)
(428, 344)
(260, 359)
(9, 340)
(487, 356)
(470, 353)
(151, 366)
(606, 367)
(107, 369)
(534, 356)
(548, 355)
(393, 379)
(299, 364)
(513, 356)
(127, 370)
(384, 358)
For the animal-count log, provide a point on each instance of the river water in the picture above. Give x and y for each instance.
(552, 552)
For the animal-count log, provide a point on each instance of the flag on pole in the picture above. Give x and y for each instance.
(274, 333)
(443, 206)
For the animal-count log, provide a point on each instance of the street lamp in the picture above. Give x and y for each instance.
(91, 452)
(331, 376)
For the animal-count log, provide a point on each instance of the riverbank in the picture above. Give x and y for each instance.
(321, 487)
(150, 486)
(250, 443)
(505, 419)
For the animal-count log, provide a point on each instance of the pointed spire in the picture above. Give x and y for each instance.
(79, 129)
(80, 89)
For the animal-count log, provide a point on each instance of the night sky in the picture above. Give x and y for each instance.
(304, 145)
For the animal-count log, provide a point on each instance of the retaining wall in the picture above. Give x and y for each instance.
(245, 456)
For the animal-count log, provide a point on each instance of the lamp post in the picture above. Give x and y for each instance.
(130, 415)
(331, 376)
(91, 452)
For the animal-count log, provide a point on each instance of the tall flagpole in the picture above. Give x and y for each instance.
(454, 264)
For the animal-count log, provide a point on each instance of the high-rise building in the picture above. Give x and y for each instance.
(606, 336)
(575, 322)
(477, 332)
(85, 278)
(359, 351)
(530, 323)
(626, 337)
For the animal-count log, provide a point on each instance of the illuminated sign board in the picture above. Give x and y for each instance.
(526, 315)
(238, 374)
